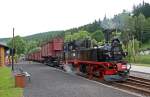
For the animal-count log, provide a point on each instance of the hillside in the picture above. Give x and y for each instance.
(43, 36)
(37, 37)
(4, 40)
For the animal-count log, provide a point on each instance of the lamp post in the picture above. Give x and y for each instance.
(13, 51)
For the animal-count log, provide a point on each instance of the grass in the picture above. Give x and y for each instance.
(145, 46)
(7, 87)
(143, 60)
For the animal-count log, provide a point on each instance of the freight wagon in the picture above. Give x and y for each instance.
(35, 56)
(52, 51)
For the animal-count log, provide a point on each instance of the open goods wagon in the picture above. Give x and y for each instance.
(51, 51)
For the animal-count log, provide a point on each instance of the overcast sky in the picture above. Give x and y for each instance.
(34, 16)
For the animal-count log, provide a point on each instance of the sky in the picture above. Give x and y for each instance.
(34, 16)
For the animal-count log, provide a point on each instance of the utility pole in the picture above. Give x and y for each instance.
(13, 51)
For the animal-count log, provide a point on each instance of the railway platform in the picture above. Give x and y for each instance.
(50, 82)
(140, 71)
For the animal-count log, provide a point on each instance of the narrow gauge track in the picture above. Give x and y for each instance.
(133, 84)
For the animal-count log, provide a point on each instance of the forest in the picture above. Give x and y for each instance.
(132, 28)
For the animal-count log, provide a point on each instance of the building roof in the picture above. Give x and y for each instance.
(3, 45)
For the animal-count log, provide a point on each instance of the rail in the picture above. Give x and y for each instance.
(133, 84)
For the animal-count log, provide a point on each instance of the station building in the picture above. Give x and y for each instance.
(3, 54)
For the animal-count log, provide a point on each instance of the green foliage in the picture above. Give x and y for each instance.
(139, 26)
(116, 35)
(34, 49)
(94, 42)
(7, 87)
(98, 36)
(143, 59)
(68, 38)
(45, 36)
(77, 36)
(132, 48)
(142, 8)
(27, 44)
(35, 41)
(30, 45)
(117, 22)
(107, 23)
(81, 35)
(145, 46)
(92, 27)
(146, 32)
(19, 45)
(4, 40)
(128, 29)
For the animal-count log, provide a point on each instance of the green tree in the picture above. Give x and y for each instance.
(31, 45)
(120, 19)
(142, 8)
(133, 48)
(127, 29)
(77, 36)
(91, 27)
(98, 36)
(19, 45)
(139, 26)
(68, 38)
(81, 35)
(107, 23)
(146, 32)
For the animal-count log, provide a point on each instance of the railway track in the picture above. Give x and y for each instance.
(133, 84)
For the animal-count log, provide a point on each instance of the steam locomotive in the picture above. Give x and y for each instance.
(106, 62)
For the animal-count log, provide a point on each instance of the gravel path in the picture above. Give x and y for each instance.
(49, 82)
(140, 74)
(143, 69)
(140, 71)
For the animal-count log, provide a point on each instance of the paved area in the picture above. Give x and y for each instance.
(140, 74)
(49, 82)
(141, 69)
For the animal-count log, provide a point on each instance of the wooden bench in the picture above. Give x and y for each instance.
(28, 76)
